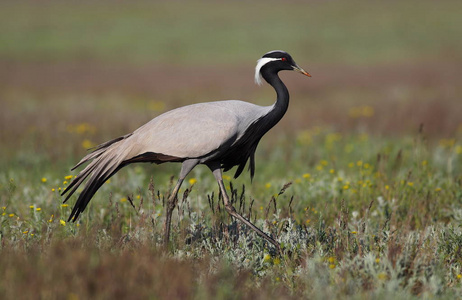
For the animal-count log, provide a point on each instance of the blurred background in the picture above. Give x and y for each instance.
(76, 73)
(372, 143)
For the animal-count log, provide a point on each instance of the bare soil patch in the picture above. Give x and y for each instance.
(402, 97)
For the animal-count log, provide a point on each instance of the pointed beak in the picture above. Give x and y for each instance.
(300, 70)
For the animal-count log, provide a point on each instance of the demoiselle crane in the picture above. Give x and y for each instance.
(220, 135)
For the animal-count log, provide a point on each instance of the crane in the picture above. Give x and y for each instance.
(220, 135)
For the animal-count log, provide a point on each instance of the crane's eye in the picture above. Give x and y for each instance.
(283, 59)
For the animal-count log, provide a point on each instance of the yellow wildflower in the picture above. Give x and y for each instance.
(447, 142)
(331, 259)
(332, 171)
(458, 149)
(31, 206)
(349, 148)
(81, 128)
(438, 189)
(64, 205)
(87, 144)
(354, 232)
(268, 185)
(410, 183)
(361, 111)
(267, 257)
(346, 187)
(44, 179)
(53, 190)
(359, 163)
(306, 175)
(363, 137)
(276, 261)
(368, 111)
(331, 266)
(11, 215)
(192, 181)
(124, 199)
(26, 232)
(377, 260)
(304, 137)
(62, 222)
(38, 209)
(68, 177)
(156, 105)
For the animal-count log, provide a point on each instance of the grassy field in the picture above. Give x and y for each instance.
(361, 182)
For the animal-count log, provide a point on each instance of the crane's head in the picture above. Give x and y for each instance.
(276, 61)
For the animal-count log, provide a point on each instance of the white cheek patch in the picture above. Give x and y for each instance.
(260, 63)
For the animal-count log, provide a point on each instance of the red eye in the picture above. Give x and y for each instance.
(283, 59)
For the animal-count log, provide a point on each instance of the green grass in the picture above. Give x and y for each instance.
(210, 32)
(363, 217)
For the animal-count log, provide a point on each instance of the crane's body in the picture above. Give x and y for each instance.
(220, 134)
(172, 132)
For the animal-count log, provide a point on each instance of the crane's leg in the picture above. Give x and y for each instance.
(186, 167)
(215, 167)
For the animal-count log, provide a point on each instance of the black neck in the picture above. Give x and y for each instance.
(249, 141)
(282, 100)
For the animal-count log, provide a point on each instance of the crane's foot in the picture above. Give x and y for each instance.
(232, 211)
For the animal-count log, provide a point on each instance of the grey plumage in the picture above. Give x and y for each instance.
(220, 134)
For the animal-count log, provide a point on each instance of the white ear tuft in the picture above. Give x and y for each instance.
(260, 63)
